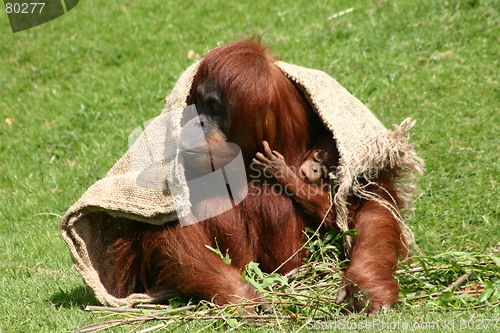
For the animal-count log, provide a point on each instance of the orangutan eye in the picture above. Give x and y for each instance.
(214, 103)
(318, 156)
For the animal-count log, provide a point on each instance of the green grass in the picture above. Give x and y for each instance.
(78, 85)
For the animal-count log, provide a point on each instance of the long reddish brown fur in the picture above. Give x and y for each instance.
(266, 227)
(375, 251)
(377, 246)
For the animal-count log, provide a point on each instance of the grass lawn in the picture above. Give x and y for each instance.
(73, 89)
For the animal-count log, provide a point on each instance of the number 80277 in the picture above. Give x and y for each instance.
(24, 7)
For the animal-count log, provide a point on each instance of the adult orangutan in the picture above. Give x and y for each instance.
(243, 97)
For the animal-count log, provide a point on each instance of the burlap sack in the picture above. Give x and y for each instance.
(108, 207)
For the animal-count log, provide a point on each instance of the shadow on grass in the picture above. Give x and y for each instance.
(78, 297)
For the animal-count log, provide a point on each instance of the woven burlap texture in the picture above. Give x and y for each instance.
(107, 208)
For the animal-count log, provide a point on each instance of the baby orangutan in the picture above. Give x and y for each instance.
(310, 187)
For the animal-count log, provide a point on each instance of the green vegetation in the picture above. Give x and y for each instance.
(73, 89)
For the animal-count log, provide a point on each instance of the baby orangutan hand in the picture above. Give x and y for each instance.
(271, 162)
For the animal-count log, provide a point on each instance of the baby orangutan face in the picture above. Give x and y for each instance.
(313, 168)
(319, 161)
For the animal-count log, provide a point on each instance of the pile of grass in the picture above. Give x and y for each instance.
(305, 297)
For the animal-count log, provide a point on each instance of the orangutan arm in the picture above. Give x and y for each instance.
(313, 198)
